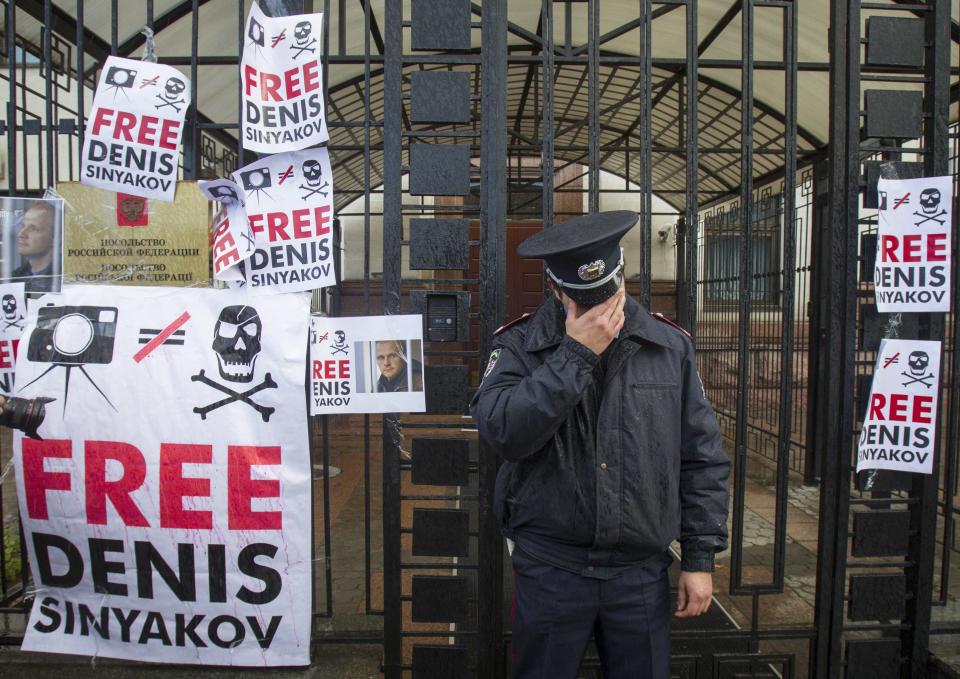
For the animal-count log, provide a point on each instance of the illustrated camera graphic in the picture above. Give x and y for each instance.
(255, 32)
(118, 76)
(225, 194)
(72, 337)
(256, 180)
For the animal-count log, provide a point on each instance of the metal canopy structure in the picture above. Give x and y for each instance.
(718, 53)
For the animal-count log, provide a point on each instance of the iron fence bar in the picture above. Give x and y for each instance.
(953, 409)
(547, 114)
(745, 293)
(789, 284)
(392, 232)
(923, 519)
(593, 97)
(191, 156)
(493, 210)
(840, 346)
(11, 47)
(49, 134)
(80, 82)
(692, 113)
(646, 143)
(114, 26)
(367, 123)
(327, 530)
(241, 22)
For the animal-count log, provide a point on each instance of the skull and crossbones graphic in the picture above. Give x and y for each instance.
(313, 173)
(930, 209)
(303, 40)
(340, 346)
(237, 343)
(172, 94)
(10, 316)
(918, 362)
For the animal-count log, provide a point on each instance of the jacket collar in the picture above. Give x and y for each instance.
(546, 328)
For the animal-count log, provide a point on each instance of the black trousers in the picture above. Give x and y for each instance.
(556, 611)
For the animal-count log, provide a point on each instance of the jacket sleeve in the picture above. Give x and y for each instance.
(518, 411)
(704, 469)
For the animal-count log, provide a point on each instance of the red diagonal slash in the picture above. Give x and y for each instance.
(892, 359)
(151, 81)
(162, 337)
(901, 201)
(278, 38)
(286, 174)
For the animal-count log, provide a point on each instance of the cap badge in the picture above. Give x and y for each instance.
(592, 271)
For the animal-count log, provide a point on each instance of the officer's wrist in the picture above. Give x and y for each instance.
(580, 350)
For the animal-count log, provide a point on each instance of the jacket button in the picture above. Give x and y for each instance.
(603, 465)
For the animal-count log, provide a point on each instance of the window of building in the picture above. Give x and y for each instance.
(722, 238)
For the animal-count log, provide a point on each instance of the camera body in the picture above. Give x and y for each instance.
(256, 179)
(73, 335)
(119, 76)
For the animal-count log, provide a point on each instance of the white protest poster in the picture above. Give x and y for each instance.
(232, 240)
(281, 76)
(913, 245)
(163, 511)
(289, 204)
(13, 313)
(366, 364)
(132, 141)
(901, 421)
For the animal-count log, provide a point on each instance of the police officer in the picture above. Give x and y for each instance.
(612, 452)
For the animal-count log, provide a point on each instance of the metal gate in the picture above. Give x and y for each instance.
(454, 127)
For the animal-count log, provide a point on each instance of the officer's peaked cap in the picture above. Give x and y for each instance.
(583, 255)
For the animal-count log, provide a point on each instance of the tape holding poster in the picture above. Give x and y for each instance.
(13, 313)
(232, 239)
(132, 140)
(289, 204)
(899, 429)
(101, 244)
(913, 245)
(163, 508)
(32, 233)
(282, 79)
(366, 364)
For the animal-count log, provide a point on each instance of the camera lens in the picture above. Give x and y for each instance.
(73, 334)
(119, 76)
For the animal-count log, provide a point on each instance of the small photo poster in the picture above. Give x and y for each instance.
(912, 272)
(366, 364)
(901, 422)
(32, 233)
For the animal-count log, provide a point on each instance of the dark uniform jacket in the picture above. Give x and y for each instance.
(609, 459)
